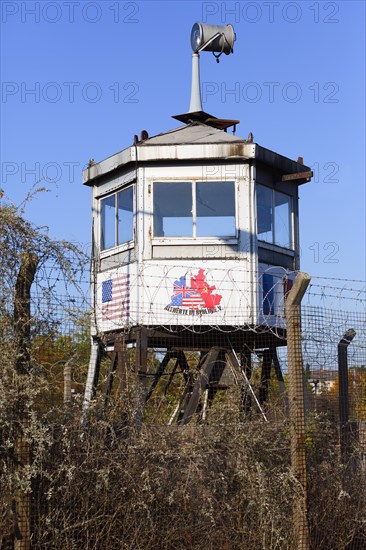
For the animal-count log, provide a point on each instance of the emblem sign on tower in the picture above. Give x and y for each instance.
(195, 298)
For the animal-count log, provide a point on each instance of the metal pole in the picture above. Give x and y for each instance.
(196, 102)
(297, 406)
(343, 391)
(93, 374)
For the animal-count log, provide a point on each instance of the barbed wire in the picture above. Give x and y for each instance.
(330, 307)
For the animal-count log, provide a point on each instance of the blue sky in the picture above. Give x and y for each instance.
(80, 78)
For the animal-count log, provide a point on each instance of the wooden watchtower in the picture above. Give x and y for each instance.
(195, 244)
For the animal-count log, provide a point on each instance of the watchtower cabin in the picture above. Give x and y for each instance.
(195, 244)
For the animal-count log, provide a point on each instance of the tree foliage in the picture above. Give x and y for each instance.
(33, 269)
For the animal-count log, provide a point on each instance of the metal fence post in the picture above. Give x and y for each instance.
(297, 406)
(344, 427)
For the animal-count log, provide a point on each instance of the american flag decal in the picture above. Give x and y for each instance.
(194, 301)
(116, 298)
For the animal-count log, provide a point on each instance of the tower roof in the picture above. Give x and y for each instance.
(191, 143)
(194, 132)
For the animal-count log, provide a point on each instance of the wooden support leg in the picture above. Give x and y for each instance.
(141, 371)
(246, 366)
(159, 372)
(215, 377)
(279, 375)
(211, 391)
(185, 397)
(183, 364)
(170, 379)
(119, 364)
(265, 375)
(200, 385)
(110, 375)
(122, 381)
(183, 401)
(232, 358)
(120, 347)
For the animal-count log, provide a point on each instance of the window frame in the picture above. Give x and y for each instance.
(232, 239)
(127, 244)
(272, 244)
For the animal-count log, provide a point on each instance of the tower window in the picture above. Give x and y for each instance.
(117, 218)
(274, 211)
(194, 209)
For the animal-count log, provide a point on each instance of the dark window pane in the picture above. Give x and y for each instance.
(268, 294)
(125, 215)
(173, 209)
(215, 207)
(108, 236)
(265, 213)
(282, 214)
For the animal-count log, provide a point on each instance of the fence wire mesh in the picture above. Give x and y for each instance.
(188, 439)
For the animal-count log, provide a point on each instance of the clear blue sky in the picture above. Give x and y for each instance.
(102, 71)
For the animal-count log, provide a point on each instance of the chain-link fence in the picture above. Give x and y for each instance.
(194, 436)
